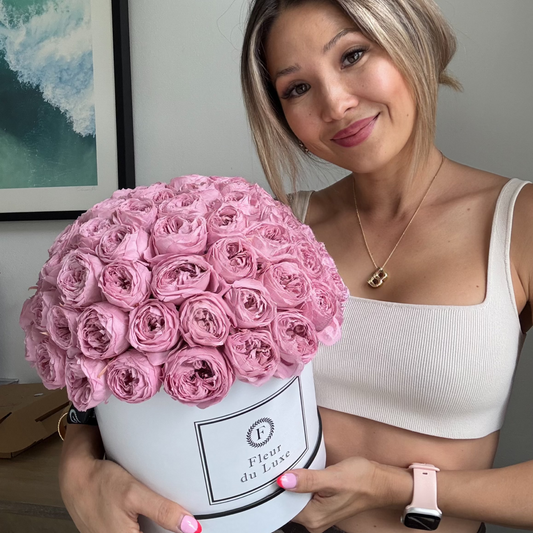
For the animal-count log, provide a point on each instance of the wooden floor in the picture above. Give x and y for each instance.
(30, 500)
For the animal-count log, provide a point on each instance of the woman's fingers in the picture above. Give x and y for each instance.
(164, 512)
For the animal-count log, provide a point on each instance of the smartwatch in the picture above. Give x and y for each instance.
(423, 512)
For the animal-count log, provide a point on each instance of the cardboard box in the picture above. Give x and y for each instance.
(28, 414)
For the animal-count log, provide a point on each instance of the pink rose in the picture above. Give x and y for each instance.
(49, 272)
(286, 218)
(35, 309)
(197, 376)
(62, 326)
(322, 310)
(250, 303)
(90, 233)
(154, 329)
(50, 362)
(123, 194)
(232, 185)
(193, 182)
(125, 283)
(287, 284)
(157, 192)
(177, 277)
(270, 240)
(102, 329)
(27, 318)
(107, 208)
(184, 233)
(77, 280)
(204, 320)
(310, 258)
(191, 203)
(233, 258)
(32, 338)
(60, 245)
(226, 221)
(85, 380)
(253, 355)
(297, 340)
(123, 242)
(137, 212)
(132, 378)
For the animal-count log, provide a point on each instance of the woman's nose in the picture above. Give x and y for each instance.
(336, 101)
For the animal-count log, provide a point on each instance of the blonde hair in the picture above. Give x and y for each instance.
(415, 35)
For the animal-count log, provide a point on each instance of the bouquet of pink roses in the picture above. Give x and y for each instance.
(188, 285)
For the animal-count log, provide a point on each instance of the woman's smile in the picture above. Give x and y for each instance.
(357, 133)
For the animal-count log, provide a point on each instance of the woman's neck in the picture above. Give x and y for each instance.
(394, 192)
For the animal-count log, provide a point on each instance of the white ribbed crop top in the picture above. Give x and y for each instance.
(440, 370)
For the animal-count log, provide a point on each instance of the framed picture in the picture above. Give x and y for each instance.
(66, 127)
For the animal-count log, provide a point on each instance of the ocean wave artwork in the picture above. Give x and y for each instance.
(47, 114)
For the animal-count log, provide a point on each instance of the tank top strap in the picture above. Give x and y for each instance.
(499, 279)
(299, 202)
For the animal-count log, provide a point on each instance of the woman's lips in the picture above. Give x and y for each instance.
(356, 133)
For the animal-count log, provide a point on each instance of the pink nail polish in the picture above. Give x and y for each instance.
(189, 524)
(287, 481)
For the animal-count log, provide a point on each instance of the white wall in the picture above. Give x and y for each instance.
(189, 118)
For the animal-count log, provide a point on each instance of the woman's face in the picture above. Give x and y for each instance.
(341, 94)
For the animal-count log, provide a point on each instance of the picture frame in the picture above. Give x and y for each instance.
(110, 150)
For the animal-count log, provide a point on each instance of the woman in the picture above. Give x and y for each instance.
(434, 324)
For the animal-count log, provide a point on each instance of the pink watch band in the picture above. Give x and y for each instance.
(425, 486)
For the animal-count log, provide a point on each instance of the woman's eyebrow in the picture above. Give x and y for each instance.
(286, 71)
(339, 35)
(327, 47)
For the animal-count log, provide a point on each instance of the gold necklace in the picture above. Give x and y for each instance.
(379, 276)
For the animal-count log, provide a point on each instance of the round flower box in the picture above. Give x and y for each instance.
(221, 463)
(188, 313)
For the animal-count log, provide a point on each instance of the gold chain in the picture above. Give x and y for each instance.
(379, 276)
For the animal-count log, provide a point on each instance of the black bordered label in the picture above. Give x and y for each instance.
(244, 452)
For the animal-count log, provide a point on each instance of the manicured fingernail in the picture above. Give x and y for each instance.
(189, 524)
(287, 481)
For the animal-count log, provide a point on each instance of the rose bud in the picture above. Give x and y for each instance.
(102, 329)
(181, 233)
(125, 283)
(251, 304)
(123, 242)
(297, 339)
(233, 258)
(132, 378)
(85, 380)
(197, 376)
(62, 326)
(253, 355)
(204, 320)
(177, 277)
(154, 329)
(287, 285)
(77, 280)
(137, 212)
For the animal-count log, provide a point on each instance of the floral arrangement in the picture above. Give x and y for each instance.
(187, 285)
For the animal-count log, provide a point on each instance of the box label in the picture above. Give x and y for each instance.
(244, 452)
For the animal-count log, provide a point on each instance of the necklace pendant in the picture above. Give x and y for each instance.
(378, 278)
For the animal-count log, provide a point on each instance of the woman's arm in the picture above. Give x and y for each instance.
(502, 496)
(102, 497)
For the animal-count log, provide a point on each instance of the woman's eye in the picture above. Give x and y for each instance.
(295, 90)
(352, 57)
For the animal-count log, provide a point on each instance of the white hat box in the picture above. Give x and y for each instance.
(221, 463)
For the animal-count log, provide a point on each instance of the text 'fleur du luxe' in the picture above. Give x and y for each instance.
(265, 461)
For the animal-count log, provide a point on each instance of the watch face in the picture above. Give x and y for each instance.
(421, 521)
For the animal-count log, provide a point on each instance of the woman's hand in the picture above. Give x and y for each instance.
(102, 497)
(346, 489)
